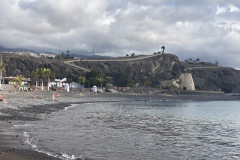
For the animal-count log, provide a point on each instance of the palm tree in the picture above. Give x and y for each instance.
(163, 48)
(82, 81)
(2, 69)
(35, 74)
(101, 78)
(47, 74)
(39, 73)
(20, 80)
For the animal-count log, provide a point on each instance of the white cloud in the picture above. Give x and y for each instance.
(200, 28)
(221, 10)
(233, 8)
(229, 8)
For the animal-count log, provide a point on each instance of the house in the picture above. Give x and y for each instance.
(58, 83)
(13, 80)
(33, 54)
(47, 55)
(75, 85)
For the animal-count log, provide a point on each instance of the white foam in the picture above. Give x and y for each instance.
(72, 105)
(21, 125)
(66, 156)
(30, 140)
(33, 143)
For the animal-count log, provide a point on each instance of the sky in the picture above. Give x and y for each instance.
(205, 29)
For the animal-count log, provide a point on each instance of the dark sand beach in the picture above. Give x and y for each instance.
(30, 106)
(20, 108)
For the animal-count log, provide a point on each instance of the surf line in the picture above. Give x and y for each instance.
(33, 143)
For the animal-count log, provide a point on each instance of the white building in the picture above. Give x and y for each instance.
(75, 85)
(58, 83)
(47, 55)
(33, 54)
(61, 83)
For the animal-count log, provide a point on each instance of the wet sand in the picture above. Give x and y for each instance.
(13, 148)
(31, 106)
(23, 107)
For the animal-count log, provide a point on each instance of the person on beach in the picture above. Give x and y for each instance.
(53, 97)
(2, 99)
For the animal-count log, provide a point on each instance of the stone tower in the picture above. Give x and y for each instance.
(187, 82)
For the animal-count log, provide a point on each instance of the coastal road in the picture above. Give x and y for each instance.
(207, 67)
(127, 60)
(73, 65)
(107, 60)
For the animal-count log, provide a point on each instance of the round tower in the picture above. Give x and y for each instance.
(187, 82)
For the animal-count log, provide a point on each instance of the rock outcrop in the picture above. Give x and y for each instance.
(155, 68)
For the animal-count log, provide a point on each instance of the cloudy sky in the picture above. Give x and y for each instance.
(205, 29)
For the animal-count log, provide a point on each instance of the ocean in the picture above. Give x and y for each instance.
(136, 129)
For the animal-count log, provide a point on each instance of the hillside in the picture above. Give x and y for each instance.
(24, 65)
(155, 68)
(120, 72)
(219, 79)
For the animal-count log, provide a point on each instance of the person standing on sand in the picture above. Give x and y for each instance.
(53, 97)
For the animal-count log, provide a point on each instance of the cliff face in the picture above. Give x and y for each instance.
(24, 65)
(155, 69)
(218, 79)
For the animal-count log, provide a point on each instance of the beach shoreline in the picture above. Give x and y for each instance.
(20, 109)
(31, 106)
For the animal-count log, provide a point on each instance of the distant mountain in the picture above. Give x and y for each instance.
(73, 52)
(3, 49)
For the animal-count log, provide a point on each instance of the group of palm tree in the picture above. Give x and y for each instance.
(41, 74)
(100, 78)
(44, 73)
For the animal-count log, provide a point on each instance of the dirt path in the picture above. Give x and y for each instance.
(106, 60)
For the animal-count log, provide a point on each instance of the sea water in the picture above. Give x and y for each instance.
(136, 129)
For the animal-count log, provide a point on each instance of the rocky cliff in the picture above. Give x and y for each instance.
(153, 68)
(24, 65)
(218, 79)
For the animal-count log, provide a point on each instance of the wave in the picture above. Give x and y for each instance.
(33, 143)
(72, 105)
(30, 140)
(21, 125)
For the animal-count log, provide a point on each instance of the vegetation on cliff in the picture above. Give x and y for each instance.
(150, 71)
(25, 65)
